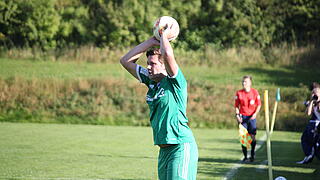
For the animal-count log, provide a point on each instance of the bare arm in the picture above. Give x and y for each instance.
(129, 60)
(309, 108)
(239, 119)
(237, 110)
(167, 54)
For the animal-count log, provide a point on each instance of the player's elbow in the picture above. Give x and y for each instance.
(123, 61)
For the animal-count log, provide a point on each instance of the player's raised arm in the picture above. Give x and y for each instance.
(167, 53)
(129, 60)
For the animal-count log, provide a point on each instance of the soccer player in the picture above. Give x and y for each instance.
(167, 101)
(247, 106)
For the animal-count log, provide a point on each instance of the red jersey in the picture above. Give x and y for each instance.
(247, 102)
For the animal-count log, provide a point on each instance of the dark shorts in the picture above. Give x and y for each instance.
(249, 124)
(310, 140)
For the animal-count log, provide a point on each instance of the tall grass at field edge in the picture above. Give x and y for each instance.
(213, 75)
(113, 102)
(280, 55)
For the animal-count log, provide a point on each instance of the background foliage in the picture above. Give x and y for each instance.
(100, 91)
(77, 44)
(221, 23)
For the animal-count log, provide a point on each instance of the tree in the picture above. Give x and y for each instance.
(30, 22)
(235, 23)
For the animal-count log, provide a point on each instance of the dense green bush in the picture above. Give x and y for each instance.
(235, 23)
(219, 23)
(31, 23)
(219, 32)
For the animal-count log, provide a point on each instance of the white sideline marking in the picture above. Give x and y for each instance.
(237, 165)
(262, 166)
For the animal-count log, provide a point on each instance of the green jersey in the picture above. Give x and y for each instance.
(167, 102)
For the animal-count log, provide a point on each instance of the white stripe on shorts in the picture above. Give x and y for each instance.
(186, 160)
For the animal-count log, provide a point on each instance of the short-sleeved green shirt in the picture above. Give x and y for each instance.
(167, 102)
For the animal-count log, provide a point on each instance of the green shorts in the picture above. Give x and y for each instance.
(178, 162)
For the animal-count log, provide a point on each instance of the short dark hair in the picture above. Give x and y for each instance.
(314, 85)
(247, 77)
(153, 51)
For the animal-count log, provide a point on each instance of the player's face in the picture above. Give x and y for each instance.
(316, 91)
(155, 67)
(246, 83)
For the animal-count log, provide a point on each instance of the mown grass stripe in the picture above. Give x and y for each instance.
(230, 174)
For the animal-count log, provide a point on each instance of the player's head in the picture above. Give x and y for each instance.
(314, 85)
(316, 91)
(316, 96)
(246, 82)
(156, 67)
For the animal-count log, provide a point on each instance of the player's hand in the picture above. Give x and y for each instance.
(254, 116)
(239, 119)
(163, 30)
(166, 31)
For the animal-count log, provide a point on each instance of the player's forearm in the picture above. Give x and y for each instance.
(133, 55)
(257, 110)
(309, 109)
(165, 46)
(128, 61)
(168, 56)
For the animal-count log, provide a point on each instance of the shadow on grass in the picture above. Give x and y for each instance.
(137, 157)
(218, 160)
(227, 140)
(219, 149)
(248, 173)
(213, 167)
(122, 156)
(284, 158)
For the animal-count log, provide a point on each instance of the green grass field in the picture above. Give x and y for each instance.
(264, 75)
(59, 70)
(62, 151)
(51, 151)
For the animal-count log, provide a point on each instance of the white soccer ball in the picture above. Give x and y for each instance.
(166, 22)
(280, 178)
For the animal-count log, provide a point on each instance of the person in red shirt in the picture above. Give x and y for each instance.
(247, 106)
